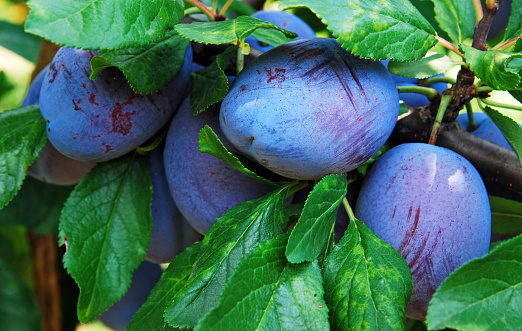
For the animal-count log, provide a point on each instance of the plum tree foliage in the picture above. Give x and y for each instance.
(269, 263)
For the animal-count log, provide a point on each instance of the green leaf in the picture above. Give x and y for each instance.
(150, 315)
(514, 27)
(210, 85)
(226, 32)
(367, 283)
(102, 24)
(22, 137)
(483, 294)
(210, 143)
(426, 67)
(492, 67)
(456, 18)
(267, 292)
(14, 38)
(509, 128)
(506, 215)
(106, 225)
(271, 37)
(18, 309)
(15, 250)
(379, 30)
(147, 68)
(46, 201)
(311, 232)
(230, 238)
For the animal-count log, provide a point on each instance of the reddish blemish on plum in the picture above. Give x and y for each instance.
(92, 99)
(121, 121)
(53, 72)
(278, 74)
(76, 104)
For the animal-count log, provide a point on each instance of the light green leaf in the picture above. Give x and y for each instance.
(18, 309)
(514, 27)
(106, 225)
(509, 128)
(426, 67)
(483, 294)
(150, 316)
(210, 85)
(456, 18)
(506, 215)
(226, 32)
(270, 37)
(210, 143)
(379, 30)
(266, 292)
(147, 68)
(231, 237)
(311, 232)
(22, 137)
(367, 283)
(492, 67)
(102, 24)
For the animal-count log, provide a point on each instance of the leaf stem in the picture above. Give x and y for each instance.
(240, 61)
(296, 186)
(430, 92)
(191, 10)
(505, 46)
(225, 7)
(501, 105)
(444, 103)
(449, 46)
(348, 209)
(478, 11)
(471, 117)
(204, 9)
(214, 6)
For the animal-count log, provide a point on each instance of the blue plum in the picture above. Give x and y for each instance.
(144, 279)
(308, 108)
(171, 233)
(486, 129)
(103, 119)
(284, 20)
(52, 166)
(431, 205)
(203, 186)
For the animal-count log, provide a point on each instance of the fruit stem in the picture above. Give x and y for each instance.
(225, 7)
(501, 105)
(471, 116)
(296, 186)
(240, 61)
(214, 6)
(348, 209)
(157, 140)
(204, 9)
(450, 46)
(478, 11)
(439, 79)
(431, 93)
(444, 103)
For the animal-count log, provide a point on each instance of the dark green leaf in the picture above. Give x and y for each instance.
(14, 38)
(428, 66)
(106, 225)
(492, 67)
(506, 215)
(150, 315)
(210, 143)
(6, 85)
(18, 309)
(22, 137)
(230, 238)
(509, 128)
(311, 232)
(92, 24)
(147, 68)
(45, 201)
(226, 32)
(456, 18)
(483, 294)
(379, 30)
(514, 27)
(367, 282)
(15, 249)
(210, 85)
(267, 292)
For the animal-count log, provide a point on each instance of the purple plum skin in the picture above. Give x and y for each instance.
(171, 233)
(52, 166)
(203, 186)
(284, 20)
(308, 108)
(486, 129)
(103, 119)
(431, 205)
(118, 316)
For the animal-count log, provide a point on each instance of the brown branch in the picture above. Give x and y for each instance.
(482, 28)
